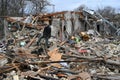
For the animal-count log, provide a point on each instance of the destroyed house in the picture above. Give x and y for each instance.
(64, 24)
(93, 59)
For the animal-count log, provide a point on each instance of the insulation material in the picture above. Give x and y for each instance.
(55, 28)
(68, 17)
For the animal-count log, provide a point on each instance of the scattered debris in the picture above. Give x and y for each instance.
(73, 53)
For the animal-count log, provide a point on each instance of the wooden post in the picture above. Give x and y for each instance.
(5, 29)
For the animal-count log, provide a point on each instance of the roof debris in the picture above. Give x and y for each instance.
(78, 49)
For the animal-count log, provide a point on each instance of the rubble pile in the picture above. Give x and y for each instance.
(80, 57)
(63, 61)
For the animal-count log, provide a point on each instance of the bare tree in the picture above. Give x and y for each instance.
(11, 7)
(3, 7)
(108, 12)
(81, 7)
(38, 5)
(16, 7)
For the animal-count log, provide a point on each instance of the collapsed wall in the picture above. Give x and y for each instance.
(21, 58)
(65, 24)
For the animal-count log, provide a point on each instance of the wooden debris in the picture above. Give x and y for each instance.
(85, 57)
(3, 60)
(81, 76)
(55, 56)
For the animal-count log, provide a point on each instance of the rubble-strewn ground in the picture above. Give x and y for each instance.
(95, 59)
(72, 54)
